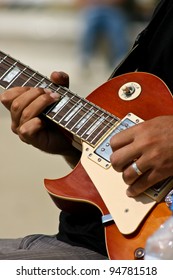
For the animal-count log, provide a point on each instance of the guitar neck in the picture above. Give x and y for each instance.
(83, 119)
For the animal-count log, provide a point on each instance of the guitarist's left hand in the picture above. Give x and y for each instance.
(150, 144)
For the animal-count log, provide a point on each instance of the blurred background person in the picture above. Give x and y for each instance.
(103, 28)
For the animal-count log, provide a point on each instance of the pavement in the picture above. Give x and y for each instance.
(45, 40)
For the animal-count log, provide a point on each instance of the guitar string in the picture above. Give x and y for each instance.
(105, 124)
(35, 79)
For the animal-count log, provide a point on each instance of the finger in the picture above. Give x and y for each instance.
(20, 103)
(9, 95)
(60, 78)
(30, 104)
(28, 130)
(124, 156)
(143, 182)
(122, 138)
(131, 173)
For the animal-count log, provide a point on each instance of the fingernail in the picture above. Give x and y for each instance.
(55, 95)
(128, 193)
(47, 90)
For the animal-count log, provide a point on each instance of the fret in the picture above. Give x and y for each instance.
(17, 78)
(13, 73)
(91, 118)
(8, 74)
(102, 129)
(53, 110)
(92, 132)
(73, 113)
(66, 110)
(1, 69)
(8, 64)
(88, 125)
(48, 112)
(70, 111)
(2, 57)
(79, 119)
(56, 112)
(42, 81)
(87, 112)
(27, 82)
(100, 119)
(29, 78)
(93, 124)
(63, 91)
(77, 115)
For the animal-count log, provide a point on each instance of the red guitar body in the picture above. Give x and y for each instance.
(76, 192)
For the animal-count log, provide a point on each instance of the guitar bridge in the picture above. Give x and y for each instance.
(158, 191)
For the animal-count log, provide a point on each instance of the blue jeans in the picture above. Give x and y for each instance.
(107, 23)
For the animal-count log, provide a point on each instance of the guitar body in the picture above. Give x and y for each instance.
(77, 192)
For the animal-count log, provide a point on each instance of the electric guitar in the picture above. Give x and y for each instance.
(93, 185)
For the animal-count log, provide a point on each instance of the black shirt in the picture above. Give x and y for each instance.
(157, 44)
(156, 57)
(83, 230)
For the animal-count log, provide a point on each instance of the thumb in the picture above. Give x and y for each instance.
(60, 78)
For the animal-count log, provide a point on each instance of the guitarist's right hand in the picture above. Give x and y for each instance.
(25, 104)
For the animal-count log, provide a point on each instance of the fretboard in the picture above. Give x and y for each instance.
(81, 118)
